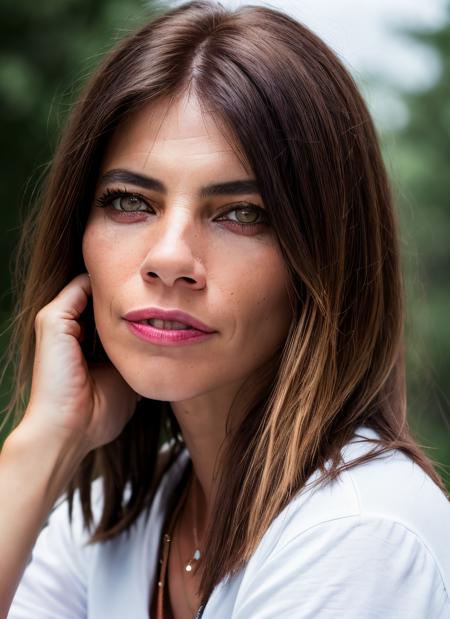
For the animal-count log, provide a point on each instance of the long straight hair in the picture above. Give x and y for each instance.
(299, 122)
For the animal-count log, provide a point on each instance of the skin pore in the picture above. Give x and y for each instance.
(174, 249)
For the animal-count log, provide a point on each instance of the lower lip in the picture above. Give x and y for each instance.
(167, 337)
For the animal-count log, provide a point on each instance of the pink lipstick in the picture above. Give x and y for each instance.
(167, 327)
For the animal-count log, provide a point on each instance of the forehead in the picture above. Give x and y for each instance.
(169, 133)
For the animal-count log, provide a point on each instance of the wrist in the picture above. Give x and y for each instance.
(43, 460)
(33, 434)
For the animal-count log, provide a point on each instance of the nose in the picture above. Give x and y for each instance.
(172, 257)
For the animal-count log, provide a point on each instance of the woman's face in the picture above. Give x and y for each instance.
(181, 242)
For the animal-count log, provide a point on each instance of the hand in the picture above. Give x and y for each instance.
(69, 399)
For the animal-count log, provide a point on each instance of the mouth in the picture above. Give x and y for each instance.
(165, 325)
(167, 320)
(161, 332)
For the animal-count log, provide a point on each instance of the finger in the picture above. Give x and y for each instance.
(73, 298)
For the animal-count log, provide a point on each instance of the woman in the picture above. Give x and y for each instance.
(220, 195)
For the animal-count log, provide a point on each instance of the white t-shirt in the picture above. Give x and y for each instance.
(372, 544)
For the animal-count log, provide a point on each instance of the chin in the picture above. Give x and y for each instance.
(173, 389)
(166, 395)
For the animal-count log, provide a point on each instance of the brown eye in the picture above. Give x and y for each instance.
(128, 203)
(246, 215)
(123, 201)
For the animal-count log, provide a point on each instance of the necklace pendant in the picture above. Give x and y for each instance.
(196, 557)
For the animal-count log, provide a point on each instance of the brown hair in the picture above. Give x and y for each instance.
(302, 126)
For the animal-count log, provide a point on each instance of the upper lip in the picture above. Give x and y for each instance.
(161, 314)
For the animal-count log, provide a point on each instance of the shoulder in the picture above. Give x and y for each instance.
(352, 567)
(394, 488)
(390, 487)
(65, 572)
(373, 537)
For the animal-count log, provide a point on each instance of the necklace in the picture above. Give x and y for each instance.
(186, 597)
(197, 554)
(167, 539)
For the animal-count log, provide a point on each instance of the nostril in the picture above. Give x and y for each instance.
(191, 281)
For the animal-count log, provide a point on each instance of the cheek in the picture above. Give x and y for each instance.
(106, 269)
(106, 257)
(261, 299)
(93, 247)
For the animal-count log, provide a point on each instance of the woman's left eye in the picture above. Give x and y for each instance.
(246, 214)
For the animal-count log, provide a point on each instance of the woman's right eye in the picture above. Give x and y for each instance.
(123, 201)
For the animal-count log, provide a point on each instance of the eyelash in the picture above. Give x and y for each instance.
(105, 201)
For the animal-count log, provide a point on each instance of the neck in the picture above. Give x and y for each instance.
(206, 424)
(203, 444)
(203, 427)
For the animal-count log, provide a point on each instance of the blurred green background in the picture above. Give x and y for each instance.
(47, 50)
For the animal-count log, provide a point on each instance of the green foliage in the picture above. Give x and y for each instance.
(421, 156)
(48, 48)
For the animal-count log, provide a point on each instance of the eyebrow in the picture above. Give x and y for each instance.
(230, 188)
